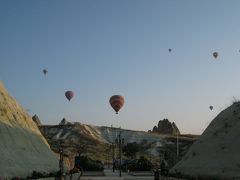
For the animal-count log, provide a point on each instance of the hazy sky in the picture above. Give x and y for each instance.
(100, 48)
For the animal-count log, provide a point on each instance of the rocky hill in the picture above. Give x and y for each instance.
(23, 149)
(165, 127)
(215, 155)
(65, 122)
(36, 119)
(96, 141)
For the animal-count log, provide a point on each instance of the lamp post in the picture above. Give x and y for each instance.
(113, 156)
(120, 141)
(177, 147)
(61, 161)
(108, 156)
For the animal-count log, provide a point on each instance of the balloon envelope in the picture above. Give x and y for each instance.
(45, 71)
(211, 107)
(69, 95)
(169, 49)
(215, 54)
(117, 102)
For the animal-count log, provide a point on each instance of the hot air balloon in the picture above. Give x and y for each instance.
(69, 95)
(45, 71)
(211, 108)
(117, 102)
(170, 50)
(215, 54)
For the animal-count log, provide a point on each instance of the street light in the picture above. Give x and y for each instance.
(61, 160)
(177, 147)
(113, 157)
(120, 141)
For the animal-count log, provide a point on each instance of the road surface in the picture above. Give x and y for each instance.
(109, 175)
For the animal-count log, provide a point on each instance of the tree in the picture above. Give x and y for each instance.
(130, 149)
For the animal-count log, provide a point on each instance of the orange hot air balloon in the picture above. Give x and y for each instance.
(117, 102)
(45, 71)
(215, 54)
(69, 95)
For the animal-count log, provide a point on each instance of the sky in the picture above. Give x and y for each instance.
(101, 48)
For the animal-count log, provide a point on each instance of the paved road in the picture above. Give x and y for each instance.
(109, 175)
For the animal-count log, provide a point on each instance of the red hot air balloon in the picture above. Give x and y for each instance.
(45, 71)
(117, 102)
(69, 95)
(215, 54)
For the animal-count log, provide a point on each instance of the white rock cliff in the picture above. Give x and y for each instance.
(216, 154)
(23, 149)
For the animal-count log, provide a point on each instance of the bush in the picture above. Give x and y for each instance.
(87, 164)
(142, 164)
(130, 149)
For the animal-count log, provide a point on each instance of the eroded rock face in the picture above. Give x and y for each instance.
(36, 119)
(166, 127)
(94, 141)
(23, 149)
(155, 129)
(215, 155)
(65, 122)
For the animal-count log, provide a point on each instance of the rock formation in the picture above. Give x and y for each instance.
(23, 149)
(215, 155)
(166, 127)
(155, 129)
(65, 122)
(37, 121)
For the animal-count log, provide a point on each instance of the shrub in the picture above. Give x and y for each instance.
(194, 153)
(142, 164)
(88, 164)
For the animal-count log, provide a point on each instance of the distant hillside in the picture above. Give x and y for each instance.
(96, 141)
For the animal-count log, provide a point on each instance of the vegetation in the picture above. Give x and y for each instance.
(130, 150)
(86, 163)
(142, 164)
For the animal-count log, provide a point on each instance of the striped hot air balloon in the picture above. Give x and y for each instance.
(117, 102)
